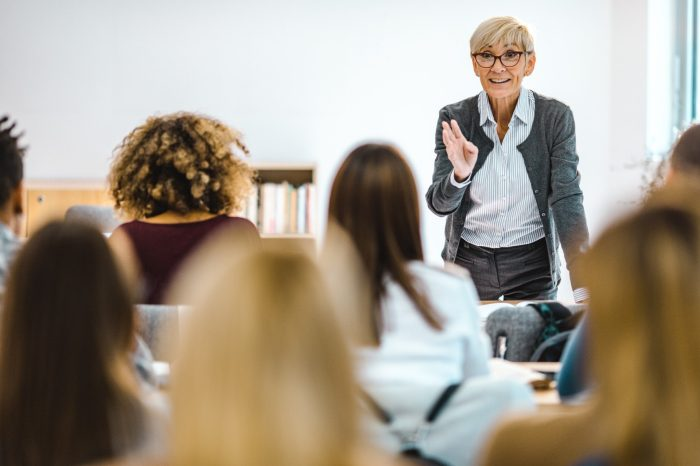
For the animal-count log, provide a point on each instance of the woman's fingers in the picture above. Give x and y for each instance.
(447, 132)
(448, 138)
(455, 130)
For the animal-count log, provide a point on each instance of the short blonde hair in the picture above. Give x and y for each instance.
(181, 162)
(502, 29)
(264, 376)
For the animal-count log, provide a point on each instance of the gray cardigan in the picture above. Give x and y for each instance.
(551, 161)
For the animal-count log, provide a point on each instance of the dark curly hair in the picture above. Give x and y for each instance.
(180, 162)
(11, 160)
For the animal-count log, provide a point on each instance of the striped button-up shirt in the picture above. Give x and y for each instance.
(504, 211)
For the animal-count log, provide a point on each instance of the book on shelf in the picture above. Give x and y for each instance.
(282, 208)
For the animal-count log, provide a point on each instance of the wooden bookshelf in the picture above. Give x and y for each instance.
(47, 200)
(284, 205)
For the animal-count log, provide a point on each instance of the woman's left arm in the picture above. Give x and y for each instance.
(566, 197)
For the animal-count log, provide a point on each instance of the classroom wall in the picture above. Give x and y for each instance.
(307, 80)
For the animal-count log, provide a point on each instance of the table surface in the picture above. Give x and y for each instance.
(548, 397)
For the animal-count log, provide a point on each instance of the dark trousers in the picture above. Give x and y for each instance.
(514, 273)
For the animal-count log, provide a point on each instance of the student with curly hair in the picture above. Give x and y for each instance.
(11, 174)
(179, 178)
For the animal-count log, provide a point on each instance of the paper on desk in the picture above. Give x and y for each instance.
(513, 371)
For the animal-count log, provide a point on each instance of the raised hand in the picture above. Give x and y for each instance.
(462, 153)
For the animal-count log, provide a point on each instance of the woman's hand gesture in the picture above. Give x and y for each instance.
(461, 152)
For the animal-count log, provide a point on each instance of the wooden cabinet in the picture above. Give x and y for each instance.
(48, 200)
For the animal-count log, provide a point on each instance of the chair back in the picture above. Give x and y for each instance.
(514, 331)
(158, 325)
(102, 217)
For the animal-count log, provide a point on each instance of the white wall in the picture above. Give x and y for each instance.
(306, 80)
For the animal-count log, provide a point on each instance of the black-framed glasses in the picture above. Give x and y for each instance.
(508, 59)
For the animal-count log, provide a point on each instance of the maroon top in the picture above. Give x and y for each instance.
(162, 247)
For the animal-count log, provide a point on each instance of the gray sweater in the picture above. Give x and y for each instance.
(551, 161)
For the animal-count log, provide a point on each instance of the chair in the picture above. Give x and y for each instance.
(102, 217)
(158, 325)
(517, 328)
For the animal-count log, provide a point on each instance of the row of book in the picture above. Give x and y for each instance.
(282, 208)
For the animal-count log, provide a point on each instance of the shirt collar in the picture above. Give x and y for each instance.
(522, 108)
(485, 109)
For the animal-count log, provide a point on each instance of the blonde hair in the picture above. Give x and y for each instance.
(180, 162)
(502, 30)
(264, 376)
(643, 275)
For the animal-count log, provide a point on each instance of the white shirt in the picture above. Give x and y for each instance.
(504, 211)
(9, 246)
(413, 353)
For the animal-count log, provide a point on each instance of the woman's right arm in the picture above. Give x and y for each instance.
(452, 153)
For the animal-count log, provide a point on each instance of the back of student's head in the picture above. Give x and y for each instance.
(11, 164)
(644, 281)
(264, 376)
(67, 327)
(685, 156)
(374, 198)
(181, 162)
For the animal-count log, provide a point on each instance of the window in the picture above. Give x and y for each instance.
(673, 97)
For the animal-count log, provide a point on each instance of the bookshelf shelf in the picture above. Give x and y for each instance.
(284, 202)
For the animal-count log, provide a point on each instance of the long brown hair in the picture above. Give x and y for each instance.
(643, 276)
(264, 376)
(67, 394)
(374, 198)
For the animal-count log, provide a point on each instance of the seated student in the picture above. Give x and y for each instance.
(11, 175)
(69, 394)
(424, 320)
(644, 312)
(423, 324)
(684, 169)
(685, 156)
(264, 376)
(179, 178)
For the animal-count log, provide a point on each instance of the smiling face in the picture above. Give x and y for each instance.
(499, 81)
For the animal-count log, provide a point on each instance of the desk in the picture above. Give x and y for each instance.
(544, 397)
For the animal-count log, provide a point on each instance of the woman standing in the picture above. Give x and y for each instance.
(506, 174)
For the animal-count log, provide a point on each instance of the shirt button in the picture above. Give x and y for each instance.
(543, 214)
(537, 191)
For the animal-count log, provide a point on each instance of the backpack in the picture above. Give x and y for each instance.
(559, 322)
(410, 443)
